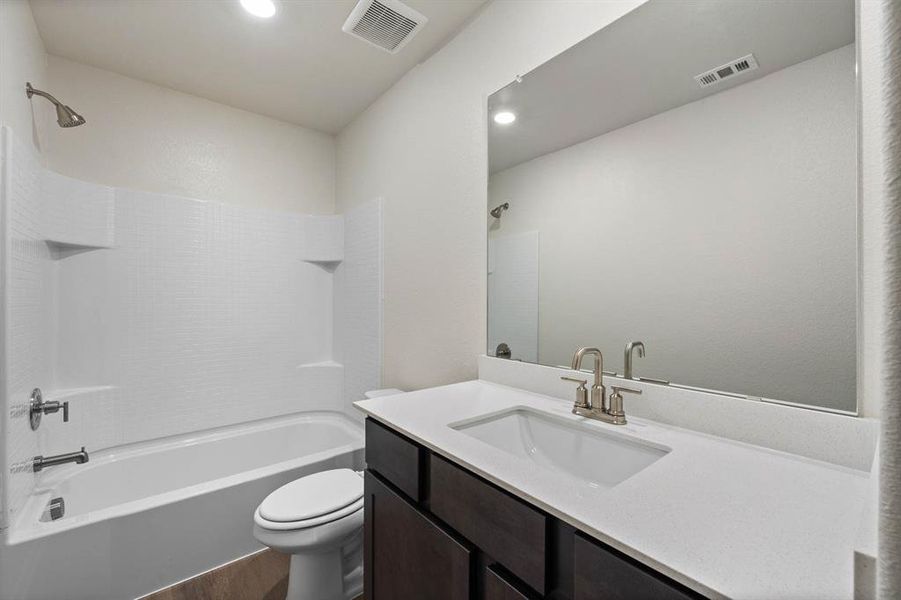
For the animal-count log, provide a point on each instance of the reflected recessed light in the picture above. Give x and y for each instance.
(504, 117)
(259, 8)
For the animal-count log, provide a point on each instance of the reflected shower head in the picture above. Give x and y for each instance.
(497, 211)
(65, 116)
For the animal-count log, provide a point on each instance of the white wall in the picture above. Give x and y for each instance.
(721, 233)
(422, 147)
(142, 136)
(22, 58)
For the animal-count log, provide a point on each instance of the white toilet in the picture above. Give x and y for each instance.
(318, 520)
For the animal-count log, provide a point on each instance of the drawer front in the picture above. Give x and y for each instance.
(509, 531)
(393, 457)
(498, 588)
(602, 574)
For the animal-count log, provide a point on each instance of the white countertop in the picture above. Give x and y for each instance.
(727, 519)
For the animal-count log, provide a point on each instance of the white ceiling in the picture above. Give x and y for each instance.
(297, 66)
(645, 63)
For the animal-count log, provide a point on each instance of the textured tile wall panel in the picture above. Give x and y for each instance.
(513, 294)
(323, 238)
(75, 212)
(358, 303)
(29, 297)
(198, 318)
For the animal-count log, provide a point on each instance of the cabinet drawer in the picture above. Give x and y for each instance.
(603, 574)
(393, 457)
(509, 531)
(498, 588)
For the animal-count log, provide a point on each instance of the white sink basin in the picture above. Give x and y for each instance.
(582, 450)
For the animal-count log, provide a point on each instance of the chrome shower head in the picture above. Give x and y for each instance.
(497, 211)
(65, 116)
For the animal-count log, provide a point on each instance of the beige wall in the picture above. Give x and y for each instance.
(871, 225)
(22, 59)
(142, 136)
(422, 147)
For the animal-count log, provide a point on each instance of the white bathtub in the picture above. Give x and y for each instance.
(142, 517)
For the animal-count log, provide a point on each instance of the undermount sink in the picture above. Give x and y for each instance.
(582, 450)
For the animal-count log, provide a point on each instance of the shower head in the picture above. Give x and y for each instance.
(497, 211)
(65, 116)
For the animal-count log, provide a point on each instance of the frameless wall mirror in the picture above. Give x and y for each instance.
(686, 177)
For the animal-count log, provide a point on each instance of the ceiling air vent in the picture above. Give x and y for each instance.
(739, 65)
(387, 24)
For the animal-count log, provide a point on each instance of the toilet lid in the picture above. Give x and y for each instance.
(313, 496)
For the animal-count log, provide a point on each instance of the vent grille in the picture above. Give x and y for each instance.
(730, 69)
(386, 24)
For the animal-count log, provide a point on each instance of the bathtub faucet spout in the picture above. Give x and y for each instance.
(42, 462)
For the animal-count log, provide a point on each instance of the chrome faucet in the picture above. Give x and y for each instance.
(597, 407)
(630, 348)
(42, 462)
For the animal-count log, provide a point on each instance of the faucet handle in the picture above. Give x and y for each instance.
(581, 392)
(617, 412)
(618, 390)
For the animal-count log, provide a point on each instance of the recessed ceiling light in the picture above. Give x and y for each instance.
(505, 117)
(259, 8)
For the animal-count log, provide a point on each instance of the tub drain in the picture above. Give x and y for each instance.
(57, 508)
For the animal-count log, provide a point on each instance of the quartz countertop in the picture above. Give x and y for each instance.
(725, 518)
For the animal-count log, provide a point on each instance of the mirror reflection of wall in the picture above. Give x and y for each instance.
(715, 223)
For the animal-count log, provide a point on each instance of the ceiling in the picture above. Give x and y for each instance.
(297, 66)
(645, 63)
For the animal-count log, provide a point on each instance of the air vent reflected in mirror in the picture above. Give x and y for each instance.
(730, 69)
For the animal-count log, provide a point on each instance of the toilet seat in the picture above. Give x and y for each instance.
(313, 500)
(307, 523)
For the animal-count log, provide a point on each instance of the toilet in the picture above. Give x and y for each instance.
(318, 520)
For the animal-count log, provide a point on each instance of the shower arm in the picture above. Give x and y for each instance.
(30, 91)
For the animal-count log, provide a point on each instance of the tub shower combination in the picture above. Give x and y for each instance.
(171, 508)
(193, 357)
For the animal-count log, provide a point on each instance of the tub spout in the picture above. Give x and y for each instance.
(42, 462)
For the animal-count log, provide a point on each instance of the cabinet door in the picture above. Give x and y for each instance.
(498, 588)
(603, 574)
(407, 555)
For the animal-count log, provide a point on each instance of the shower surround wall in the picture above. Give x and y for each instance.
(155, 315)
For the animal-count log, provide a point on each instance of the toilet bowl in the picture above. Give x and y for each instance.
(318, 520)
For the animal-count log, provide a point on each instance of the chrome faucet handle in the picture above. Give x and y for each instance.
(581, 393)
(617, 412)
(38, 408)
(617, 389)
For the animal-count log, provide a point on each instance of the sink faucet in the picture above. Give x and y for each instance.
(597, 408)
(42, 462)
(630, 348)
(598, 392)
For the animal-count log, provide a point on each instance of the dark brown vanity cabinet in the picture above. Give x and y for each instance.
(435, 531)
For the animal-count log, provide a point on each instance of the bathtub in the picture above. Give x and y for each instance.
(139, 518)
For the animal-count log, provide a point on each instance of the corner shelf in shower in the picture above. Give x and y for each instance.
(76, 216)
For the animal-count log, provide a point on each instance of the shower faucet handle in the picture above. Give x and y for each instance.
(39, 408)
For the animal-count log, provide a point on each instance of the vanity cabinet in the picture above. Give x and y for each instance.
(407, 554)
(436, 531)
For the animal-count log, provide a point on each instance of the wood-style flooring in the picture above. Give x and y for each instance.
(261, 576)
